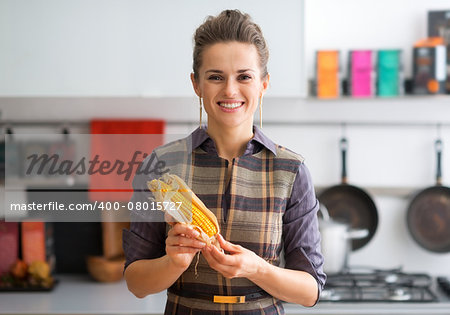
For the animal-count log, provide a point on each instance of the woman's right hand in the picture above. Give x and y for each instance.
(182, 245)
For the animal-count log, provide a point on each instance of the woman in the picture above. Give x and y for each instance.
(260, 192)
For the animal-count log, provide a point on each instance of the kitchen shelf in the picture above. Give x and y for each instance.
(425, 111)
(405, 97)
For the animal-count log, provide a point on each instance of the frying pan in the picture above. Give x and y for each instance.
(351, 204)
(428, 215)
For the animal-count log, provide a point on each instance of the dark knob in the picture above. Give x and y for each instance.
(444, 284)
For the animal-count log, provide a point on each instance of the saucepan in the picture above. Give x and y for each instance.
(337, 241)
(351, 204)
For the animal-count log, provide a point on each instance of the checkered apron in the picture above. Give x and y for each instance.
(260, 187)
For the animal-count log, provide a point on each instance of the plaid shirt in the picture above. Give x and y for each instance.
(268, 206)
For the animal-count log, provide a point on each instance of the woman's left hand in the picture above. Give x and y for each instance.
(285, 284)
(236, 262)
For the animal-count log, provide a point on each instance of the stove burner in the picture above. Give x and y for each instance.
(399, 294)
(378, 286)
(391, 278)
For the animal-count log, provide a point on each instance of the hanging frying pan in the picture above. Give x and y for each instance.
(428, 215)
(351, 204)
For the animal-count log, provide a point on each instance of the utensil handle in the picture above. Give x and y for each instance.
(438, 147)
(324, 211)
(343, 144)
(357, 234)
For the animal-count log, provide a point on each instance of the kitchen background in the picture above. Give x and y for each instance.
(72, 61)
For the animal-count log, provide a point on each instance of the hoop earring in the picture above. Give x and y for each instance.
(260, 111)
(200, 121)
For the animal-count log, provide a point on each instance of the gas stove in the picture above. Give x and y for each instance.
(376, 285)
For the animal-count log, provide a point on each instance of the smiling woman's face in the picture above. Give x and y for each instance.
(229, 81)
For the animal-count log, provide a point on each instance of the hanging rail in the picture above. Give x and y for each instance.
(58, 123)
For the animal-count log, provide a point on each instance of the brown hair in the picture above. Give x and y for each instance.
(229, 25)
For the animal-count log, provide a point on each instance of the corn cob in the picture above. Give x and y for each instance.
(192, 208)
(189, 208)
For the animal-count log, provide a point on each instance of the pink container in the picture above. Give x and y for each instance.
(361, 73)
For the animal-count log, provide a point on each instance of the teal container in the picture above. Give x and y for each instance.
(389, 73)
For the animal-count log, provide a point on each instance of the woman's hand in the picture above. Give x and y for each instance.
(238, 262)
(182, 245)
(148, 276)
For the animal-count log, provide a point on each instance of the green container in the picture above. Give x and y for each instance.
(389, 73)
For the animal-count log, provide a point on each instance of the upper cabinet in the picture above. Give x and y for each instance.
(131, 48)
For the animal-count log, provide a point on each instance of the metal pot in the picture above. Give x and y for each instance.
(336, 241)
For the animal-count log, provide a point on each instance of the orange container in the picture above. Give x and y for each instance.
(327, 74)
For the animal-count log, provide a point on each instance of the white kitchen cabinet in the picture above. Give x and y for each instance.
(130, 48)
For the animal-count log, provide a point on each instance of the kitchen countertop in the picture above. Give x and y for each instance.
(80, 295)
